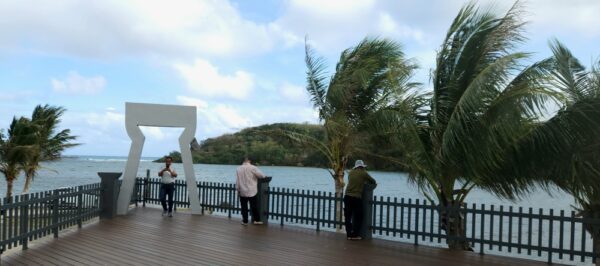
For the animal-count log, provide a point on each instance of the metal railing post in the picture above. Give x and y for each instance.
(55, 203)
(263, 199)
(79, 206)
(3, 201)
(145, 190)
(24, 221)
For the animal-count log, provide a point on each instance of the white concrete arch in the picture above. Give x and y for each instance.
(158, 115)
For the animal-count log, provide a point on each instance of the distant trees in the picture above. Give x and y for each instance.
(176, 155)
(28, 142)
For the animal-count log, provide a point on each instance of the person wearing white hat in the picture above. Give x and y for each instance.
(353, 211)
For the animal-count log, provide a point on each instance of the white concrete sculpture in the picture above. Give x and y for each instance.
(158, 115)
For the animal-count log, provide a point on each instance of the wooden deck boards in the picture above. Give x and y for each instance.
(144, 237)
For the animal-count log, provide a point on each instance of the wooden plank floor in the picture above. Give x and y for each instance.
(144, 237)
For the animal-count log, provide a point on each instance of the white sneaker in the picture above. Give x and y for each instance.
(164, 213)
(244, 223)
(257, 222)
(170, 214)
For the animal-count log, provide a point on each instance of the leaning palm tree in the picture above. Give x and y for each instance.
(51, 143)
(484, 100)
(16, 148)
(569, 141)
(366, 80)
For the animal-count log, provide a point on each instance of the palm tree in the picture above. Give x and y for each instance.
(15, 149)
(366, 80)
(569, 141)
(483, 102)
(51, 143)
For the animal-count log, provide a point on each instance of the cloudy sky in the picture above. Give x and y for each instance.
(239, 62)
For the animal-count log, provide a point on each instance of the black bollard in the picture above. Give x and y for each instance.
(367, 201)
(109, 187)
(263, 198)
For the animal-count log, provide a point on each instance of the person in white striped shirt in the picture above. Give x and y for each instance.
(246, 185)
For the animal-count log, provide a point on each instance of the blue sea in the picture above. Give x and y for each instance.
(80, 170)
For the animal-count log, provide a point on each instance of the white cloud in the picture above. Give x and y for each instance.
(153, 133)
(231, 117)
(190, 101)
(78, 84)
(338, 24)
(217, 119)
(550, 16)
(294, 93)
(390, 27)
(113, 28)
(104, 121)
(205, 79)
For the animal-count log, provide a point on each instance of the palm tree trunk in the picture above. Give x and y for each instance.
(27, 185)
(453, 222)
(457, 230)
(9, 189)
(339, 191)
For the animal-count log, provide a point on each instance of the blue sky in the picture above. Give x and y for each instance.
(240, 62)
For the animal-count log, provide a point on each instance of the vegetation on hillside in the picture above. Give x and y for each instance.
(266, 145)
(263, 144)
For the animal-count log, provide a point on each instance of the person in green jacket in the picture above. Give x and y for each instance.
(353, 210)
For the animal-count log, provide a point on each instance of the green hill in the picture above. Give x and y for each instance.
(266, 146)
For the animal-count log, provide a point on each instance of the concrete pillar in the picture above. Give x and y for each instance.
(109, 187)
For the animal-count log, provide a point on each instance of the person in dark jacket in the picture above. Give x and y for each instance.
(353, 210)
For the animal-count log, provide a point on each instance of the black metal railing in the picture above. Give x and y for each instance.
(28, 217)
(541, 235)
(306, 207)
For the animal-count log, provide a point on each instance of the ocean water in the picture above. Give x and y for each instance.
(80, 170)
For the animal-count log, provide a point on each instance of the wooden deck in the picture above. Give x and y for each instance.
(146, 238)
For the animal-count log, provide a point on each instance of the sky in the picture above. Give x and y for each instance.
(241, 63)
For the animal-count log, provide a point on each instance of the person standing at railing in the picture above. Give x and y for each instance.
(246, 184)
(167, 187)
(353, 206)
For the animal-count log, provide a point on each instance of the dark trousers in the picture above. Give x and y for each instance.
(353, 214)
(167, 190)
(253, 206)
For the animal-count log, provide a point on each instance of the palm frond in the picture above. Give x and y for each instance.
(570, 75)
(316, 80)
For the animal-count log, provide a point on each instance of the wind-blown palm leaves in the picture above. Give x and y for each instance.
(51, 143)
(16, 148)
(484, 101)
(565, 150)
(31, 141)
(366, 80)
